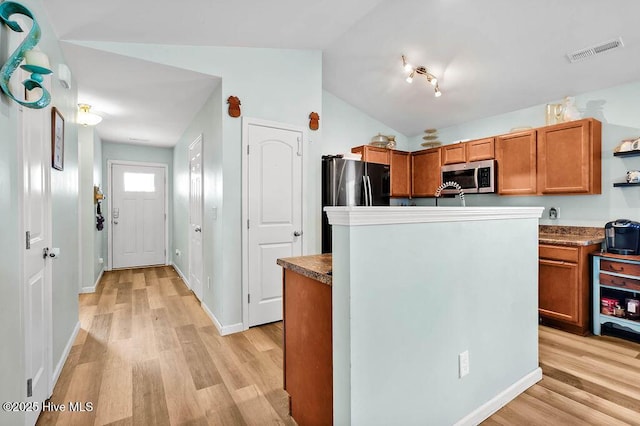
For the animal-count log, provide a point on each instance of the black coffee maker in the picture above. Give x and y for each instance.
(622, 236)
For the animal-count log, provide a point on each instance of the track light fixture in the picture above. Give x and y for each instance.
(420, 70)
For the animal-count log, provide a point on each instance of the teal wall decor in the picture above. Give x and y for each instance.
(7, 9)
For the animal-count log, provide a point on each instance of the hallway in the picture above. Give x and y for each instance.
(147, 354)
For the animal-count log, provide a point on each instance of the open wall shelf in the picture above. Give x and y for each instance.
(623, 184)
(635, 153)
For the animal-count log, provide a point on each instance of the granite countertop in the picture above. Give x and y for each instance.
(570, 235)
(315, 266)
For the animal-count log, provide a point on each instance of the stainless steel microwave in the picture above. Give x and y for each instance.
(476, 177)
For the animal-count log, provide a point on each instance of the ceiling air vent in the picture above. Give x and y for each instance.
(582, 54)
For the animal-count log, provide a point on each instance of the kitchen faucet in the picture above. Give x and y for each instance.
(450, 184)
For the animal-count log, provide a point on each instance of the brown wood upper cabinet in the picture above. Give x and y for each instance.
(569, 158)
(454, 153)
(425, 172)
(481, 149)
(400, 169)
(372, 154)
(516, 157)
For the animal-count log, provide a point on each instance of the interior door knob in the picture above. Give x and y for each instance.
(115, 222)
(297, 233)
(198, 229)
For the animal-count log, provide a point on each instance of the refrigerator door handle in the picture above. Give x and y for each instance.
(366, 192)
(370, 195)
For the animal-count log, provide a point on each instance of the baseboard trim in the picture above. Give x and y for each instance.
(63, 358)
(223, 330)
(85, 290)
(183, 276)
(503, 398)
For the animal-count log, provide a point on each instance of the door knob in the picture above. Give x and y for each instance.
(198, 229)
(297, 233)
(115, 222)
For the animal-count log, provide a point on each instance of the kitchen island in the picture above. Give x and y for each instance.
(413, 290)
(416, 289)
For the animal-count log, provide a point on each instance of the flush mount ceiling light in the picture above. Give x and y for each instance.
(86, 117)
(413, 71)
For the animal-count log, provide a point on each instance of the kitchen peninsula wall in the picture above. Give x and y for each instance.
(618, 108)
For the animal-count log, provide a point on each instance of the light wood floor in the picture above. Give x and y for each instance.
(148, 355)
(591, 380)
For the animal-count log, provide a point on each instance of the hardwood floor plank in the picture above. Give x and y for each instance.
(95, 346)
(203, 371)
(176, 311)
(149, 401)
(166, 287)
(153, 295)
(140, 301)
(144, 342)
(254, 407)
(161, 272)
(584, 397)
(580, 411)
(123, 422)
(193, 308)
(274, 331)
(138, 280)
(165, 335)
(115, 402)
(226, 362)
(150, 276)
(125, 275)
(120, 354)
(121, 322)
(180, 393)
(179, 286)
(84, 387)
(259, 339)
(124, 294)
(241, 346)
(220, 407)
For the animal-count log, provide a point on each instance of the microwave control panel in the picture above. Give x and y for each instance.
(484, 177)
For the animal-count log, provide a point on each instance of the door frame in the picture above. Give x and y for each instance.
(246, 122)
(199, 138)
(110, 164)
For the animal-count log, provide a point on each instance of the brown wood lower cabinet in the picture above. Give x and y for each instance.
(564, 287)
(308, 349)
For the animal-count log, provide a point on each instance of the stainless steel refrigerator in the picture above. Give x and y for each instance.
(351, 183)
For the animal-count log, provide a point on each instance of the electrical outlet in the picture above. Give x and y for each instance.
(554, 213)
(463, 364)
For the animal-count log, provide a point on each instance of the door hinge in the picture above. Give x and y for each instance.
(28, 240)
(247, 223)
(247, 149)
(299, 147)
(248, 298)
(29, 388)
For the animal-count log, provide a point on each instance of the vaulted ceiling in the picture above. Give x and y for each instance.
(490, 57)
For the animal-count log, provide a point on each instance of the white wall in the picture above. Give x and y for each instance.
(208, 123)
(344, 126)
(65, 234)
(617, 108)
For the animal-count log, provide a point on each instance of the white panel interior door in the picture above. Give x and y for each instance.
(275, 215)
(137, 215)
(195, 217)
(36, 152)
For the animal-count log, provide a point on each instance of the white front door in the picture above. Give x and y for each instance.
(36, 155)
(274, 212)
(138, 215)
(195, 217)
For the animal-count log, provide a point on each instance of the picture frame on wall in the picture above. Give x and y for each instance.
(57, 139)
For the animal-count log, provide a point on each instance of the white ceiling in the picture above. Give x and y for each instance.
(490, 57)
